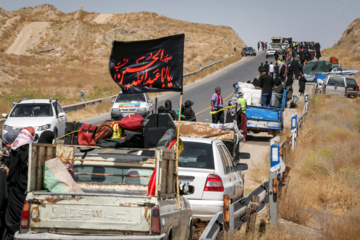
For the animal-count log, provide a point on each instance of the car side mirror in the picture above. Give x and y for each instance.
(112, 101)
(150, 101)
(62, 114)
(4, 115)
(241, 166)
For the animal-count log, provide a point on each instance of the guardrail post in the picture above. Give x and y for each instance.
(287, 142)
(273, 198)
(251, 213)
(231, 221)
(226, 216)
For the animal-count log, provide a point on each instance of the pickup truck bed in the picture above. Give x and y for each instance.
(115, 203)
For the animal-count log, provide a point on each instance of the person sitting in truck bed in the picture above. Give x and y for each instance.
(168, 109)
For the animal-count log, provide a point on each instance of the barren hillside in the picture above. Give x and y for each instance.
(347, 49)
(47, 53)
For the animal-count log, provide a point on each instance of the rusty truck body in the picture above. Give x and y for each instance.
(114, 204)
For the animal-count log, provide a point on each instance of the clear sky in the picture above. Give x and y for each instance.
(321, 21)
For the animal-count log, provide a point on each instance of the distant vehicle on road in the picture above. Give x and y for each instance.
(41, 114)
(207, 165)
(132, 103)
(340, 85)
(248, 51)
(276, 41)
(270, 52)
(284, 45)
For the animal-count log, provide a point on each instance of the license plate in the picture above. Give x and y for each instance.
(257, 124)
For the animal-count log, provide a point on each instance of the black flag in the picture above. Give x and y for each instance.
(148, 66)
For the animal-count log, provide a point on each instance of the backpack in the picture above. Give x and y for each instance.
(104, 130)
(116, 131)
(86, 134)
(131, 122)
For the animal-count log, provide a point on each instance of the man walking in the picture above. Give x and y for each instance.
(261, 68)
(266, 65)
(243, 118)
(271, 70)
(266, 83)
(216, 104)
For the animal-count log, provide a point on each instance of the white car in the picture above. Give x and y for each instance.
(41, 114)
(270, 52)
(207, 165)
(131, 103)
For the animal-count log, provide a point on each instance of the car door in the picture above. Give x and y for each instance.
(228, 178)
(234, 174)
(61, 120)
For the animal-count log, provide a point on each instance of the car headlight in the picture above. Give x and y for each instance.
(44, 127)
(115, 110)
(8, 128)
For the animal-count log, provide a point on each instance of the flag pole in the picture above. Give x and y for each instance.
(177, 151)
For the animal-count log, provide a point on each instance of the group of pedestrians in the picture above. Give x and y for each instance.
(280, 75)
(218, 113)
(263, 45)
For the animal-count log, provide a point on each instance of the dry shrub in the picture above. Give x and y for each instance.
(346, 227)
(274, 233)
(292, 206)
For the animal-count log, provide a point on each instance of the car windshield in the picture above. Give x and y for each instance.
(32, 110)
(350, 82)
(196, 155)
(136, 97)
(113, 175)
(271, 49)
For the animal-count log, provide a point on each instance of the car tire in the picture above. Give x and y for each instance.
(55, 133)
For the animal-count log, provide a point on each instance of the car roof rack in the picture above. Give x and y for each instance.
(23, 99)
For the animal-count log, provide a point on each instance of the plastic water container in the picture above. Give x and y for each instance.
(276, 100)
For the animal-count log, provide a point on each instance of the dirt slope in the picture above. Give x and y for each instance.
(66, 53)
(28, 38)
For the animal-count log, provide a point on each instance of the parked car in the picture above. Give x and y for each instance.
(284, 45)
(132, 103)
(338, 69)
(314, 68)
(41, 114)
(207, 165)
(340, 85)
(270, 52)
(248, 51)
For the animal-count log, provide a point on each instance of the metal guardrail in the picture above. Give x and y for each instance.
(216, 224)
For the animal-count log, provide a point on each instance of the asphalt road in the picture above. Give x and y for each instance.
(200, 92)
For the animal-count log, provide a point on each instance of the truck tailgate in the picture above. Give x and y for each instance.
(262, 113)
(90, 212)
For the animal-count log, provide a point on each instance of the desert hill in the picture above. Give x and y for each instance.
(47, 53)
(347, 49)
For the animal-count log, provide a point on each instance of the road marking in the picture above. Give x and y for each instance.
(210, 106)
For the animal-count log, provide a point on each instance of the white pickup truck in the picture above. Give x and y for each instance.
(115, 203)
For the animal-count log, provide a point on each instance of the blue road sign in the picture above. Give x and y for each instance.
(274, 158)
(82, 94)
(306, 98)
(293, 122)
